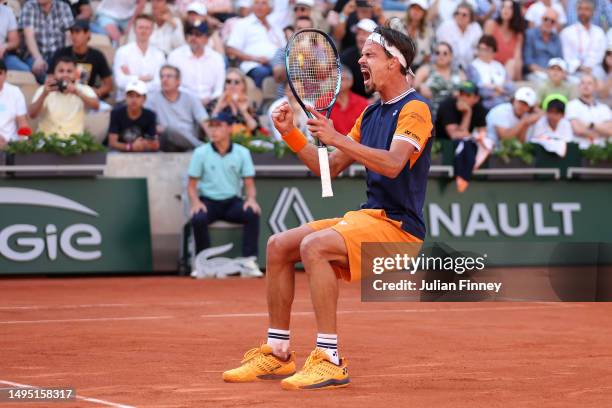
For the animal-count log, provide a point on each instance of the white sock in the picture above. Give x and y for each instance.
(329, 343)
(279, 341)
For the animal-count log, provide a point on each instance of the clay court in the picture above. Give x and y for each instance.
(164, 341)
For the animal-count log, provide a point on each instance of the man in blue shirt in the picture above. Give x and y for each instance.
(216, 174)
(541, 45)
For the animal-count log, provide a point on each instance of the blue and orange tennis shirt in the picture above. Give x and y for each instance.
(406, 117)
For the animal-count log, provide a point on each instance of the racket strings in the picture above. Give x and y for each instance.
(313, 69)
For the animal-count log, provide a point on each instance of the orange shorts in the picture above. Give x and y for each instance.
(366, 225)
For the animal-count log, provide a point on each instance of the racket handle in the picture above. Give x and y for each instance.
(326, 186)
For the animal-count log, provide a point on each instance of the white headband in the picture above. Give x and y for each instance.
(391, 49)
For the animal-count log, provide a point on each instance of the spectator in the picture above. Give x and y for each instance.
(235, 102)
(603, 74)
(61, 102)
(462, 120)
(556, 83)
(508, 30)
(306, 8)
(552, 131)
(115, 17)
(462, 33)
(489, 75)
(350, 56)
(167, 28)
(278, 61)
(602, 16)
(254, 41)
(44, 24)
(541, 45)
(584, 44)
(138, 60)
(439, 80)
(196, 14)
(418, 28)
(216, 174)
(591, 120)
(220, 9)
(12, 109)
(487, 10)
(443, 10)
(536, 12)
(132, 127)
(81, 9)
(9, 40)
(202, 68)
(513, 119)
(180, 115)
(349, 105)
(351, 13)
(92, 68)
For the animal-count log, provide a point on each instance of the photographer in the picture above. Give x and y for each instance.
(61, 101)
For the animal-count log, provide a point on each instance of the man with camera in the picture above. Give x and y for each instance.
(61, 102)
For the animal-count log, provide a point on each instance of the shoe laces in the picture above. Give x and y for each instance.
(251, 354)
(316, 357)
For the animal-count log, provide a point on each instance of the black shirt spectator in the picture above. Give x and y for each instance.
(448, 114)
(130, 129)
(80, 8)
(92, 65)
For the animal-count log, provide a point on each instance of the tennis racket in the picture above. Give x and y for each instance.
(314, 76)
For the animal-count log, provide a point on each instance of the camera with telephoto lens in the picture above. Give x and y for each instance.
(62, 85)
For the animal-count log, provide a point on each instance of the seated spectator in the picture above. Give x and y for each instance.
(61, 102)
(537, 10)
(443, 10)
(115, 17)
(81, 9)
(216, 174)
(180, 115)
(202, 68)
(591, 120)
(350, 56)
(235, 102)
(44, 24)
(132, 127)
(347, 14)
(306, 9)
(489, 75)
(299, 117)
(219, 9)
(92, 68)
(138, 60)
(254, 42)
(508, 30)
(556, 83)
(9, 40)
(462, 120)
(513, 119)
(349, 105)
(462, 33)
(603, 74)
(418, 28)
(196, 14)
(602, 15)
(552, 131)
(584, 44)
(12, 109)
(541, 45)
(439, 80)
(167, 29)
(279, 72)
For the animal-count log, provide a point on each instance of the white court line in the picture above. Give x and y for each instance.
(103, 305)
(98, 319)
(79, 397)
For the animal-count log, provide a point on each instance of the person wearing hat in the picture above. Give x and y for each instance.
(198, 13)
(92, 67)
(552, 131)
(556, 82)
(167, 28)
(202, 68)
(350, 56)
(217, 172)
(62, 101)
(349, 14)
(459, 119)
(132, 127)
(13, 112)
(513, 119)
(417, 27)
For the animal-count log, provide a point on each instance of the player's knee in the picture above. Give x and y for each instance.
(276, 250)
(311, 247)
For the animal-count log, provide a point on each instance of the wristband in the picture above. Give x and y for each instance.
(295, 140)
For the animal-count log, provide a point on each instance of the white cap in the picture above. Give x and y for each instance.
(527, 95)
(307, 3)
(137, 86)
(424, 4)
(558, 62)
(244, 3)
(197, 8)
(366, 24)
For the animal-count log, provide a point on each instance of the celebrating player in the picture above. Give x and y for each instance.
(392, 140)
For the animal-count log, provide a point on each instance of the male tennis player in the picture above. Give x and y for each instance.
(391, 138)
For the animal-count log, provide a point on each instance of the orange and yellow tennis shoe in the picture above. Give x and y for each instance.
(318, 373)
(260, 364)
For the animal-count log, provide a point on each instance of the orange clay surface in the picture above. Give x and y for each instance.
(164, 341)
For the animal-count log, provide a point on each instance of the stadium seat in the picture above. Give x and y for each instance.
(102, 43)
(96, 123)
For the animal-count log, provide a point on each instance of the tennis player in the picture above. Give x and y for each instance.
(391, 138)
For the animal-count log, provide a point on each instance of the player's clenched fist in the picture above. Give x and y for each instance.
(282, 117)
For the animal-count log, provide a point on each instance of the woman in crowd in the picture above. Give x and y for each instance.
(489, 75)
(603, 73)
(235, 101)
(438, 80)
(418, 28)
(508, 30)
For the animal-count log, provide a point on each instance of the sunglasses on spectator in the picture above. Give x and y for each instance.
(549, 20)
(233, 82)
(438, 52)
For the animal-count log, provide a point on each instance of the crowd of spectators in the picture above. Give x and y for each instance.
(492, 69)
